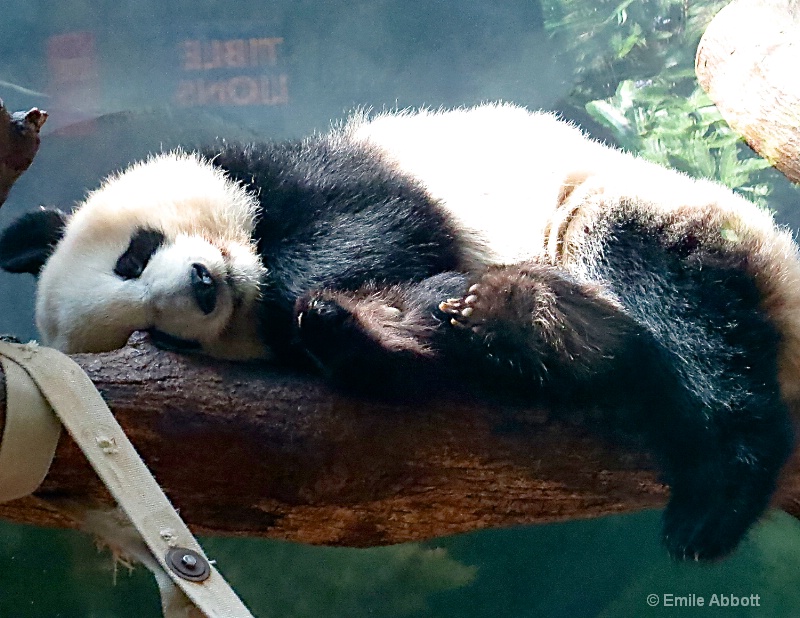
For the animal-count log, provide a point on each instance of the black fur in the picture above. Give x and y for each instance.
(335, 216)
(27, 243)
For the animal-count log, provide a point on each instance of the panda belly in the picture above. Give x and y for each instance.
(488, 169)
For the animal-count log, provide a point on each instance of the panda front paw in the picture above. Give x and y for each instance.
(465, 312)
(325, 329)
(345, 335)
(362, 340)
(316, 315)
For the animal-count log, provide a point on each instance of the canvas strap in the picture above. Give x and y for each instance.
(36, 376)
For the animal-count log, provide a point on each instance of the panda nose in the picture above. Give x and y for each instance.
(204, 288)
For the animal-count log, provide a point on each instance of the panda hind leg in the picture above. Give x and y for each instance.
(710, 408)
(717, 419)
(534, 324)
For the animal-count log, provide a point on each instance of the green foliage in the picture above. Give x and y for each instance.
(684, 132)
(608, 41)
(635, 75)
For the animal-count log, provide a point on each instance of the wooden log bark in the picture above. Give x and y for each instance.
(251, 450)
(747, 62)
(254, 450)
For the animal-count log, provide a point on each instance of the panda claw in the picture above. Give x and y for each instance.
(462, 310)
(451, 306)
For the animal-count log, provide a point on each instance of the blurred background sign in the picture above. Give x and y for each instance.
(230, 68)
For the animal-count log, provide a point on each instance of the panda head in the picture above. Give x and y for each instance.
(163, 246)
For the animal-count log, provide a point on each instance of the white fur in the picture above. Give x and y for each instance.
(499, 170)
(82, 306)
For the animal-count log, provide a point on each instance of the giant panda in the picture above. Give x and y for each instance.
(488, 243)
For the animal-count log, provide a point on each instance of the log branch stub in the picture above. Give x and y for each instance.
(19, 142)
(747, 62)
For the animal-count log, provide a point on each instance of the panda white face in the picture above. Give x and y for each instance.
(166, 247)
(92, 296)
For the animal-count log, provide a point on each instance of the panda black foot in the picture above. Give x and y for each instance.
(689, 533)
(327, 331)
(713, 505)
(316, 315)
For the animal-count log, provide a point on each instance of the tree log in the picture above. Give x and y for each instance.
(19, 142)
(252, 450)
(747, 62)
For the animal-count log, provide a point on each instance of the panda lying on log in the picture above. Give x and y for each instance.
(489, 244)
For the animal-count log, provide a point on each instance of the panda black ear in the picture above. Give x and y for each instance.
(27, 243)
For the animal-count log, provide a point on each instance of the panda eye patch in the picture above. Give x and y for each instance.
(143, 245)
